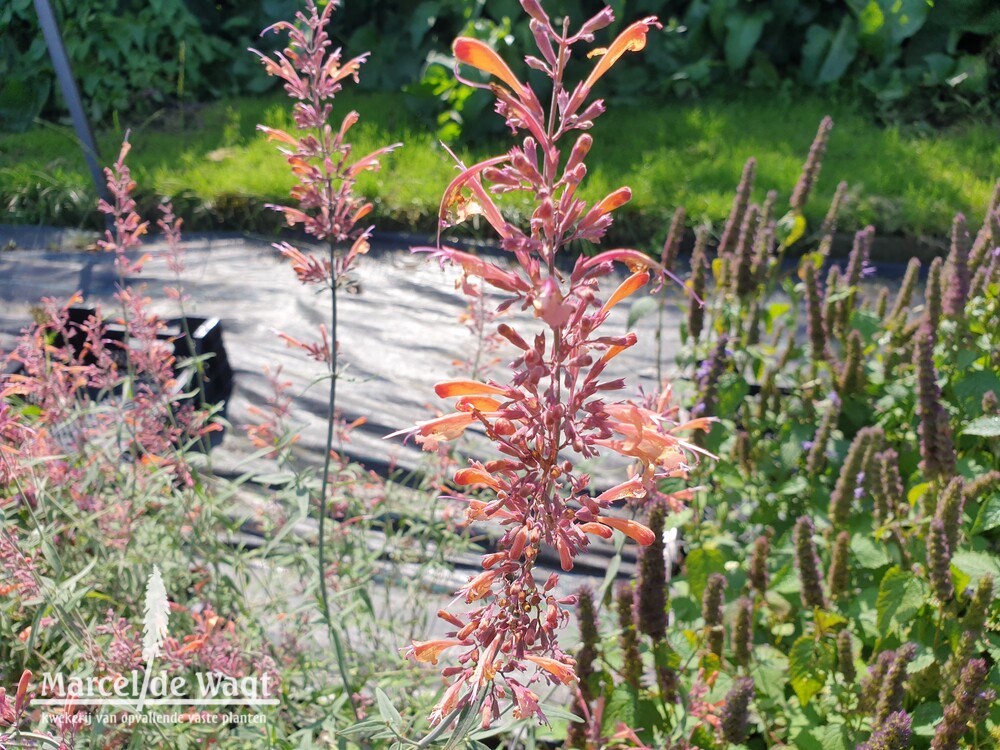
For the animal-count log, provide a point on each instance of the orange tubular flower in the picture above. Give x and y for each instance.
(628, 287)
(476, 474)
(633, 39)
(479, 55)
(449, 388)
(562, 672)
(632, 529)
(429, 651)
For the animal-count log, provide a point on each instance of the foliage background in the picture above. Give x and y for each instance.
(909, 58)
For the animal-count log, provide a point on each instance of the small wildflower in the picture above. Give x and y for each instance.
(901, 305)
(979, 605)
(814, 310)
(816, 458)
(893, 734)
(743, 632)
(970, 701)
(939, 561)
(741, 200)
(893, 690)
(735, 714)
(872, 682)
(839, 579)
(845, 656)
(932, 298)
(696, 283)
(757, 575)
(841, 500)
(956, 270)
(631, 658)
(807, 561)
(712, 601)
(937, 447)
(851, 378)
(811, 168)
(950, 505)
(652, 585)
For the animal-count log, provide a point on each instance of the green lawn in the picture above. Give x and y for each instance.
(220, 170)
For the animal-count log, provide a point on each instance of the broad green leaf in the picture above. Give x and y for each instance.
(744, 31)
(870, 554)
(975, 565)
(771, 671)
(988, 426)
(699, 565)
(926, 717)
(900, 596)
(621, 707)
(809, 662)
(988, 516)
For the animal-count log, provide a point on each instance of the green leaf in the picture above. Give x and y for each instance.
(700, 564)
(386, 710)
(988, 516)
(988, 426)
(809, 662)
(975, 565)
(871, 18)
(900, 596)
(621, 707)
(843, 48)
(639, 309)
(744, 31)
(870, 554)
(926, 717)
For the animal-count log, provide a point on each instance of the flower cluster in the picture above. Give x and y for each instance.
(556, 404)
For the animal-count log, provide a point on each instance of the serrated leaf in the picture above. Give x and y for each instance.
(900, 595)
(869, 554)
(988, 516)
(386, 710)
(988, 426)
(975, 565)
(640, 309)
(809, 662)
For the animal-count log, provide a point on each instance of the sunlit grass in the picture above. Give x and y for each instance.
(902, 181)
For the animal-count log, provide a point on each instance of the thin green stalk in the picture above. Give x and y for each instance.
(338, 645)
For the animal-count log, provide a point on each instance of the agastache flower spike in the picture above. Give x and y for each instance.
(956, 270)
(969, 705)
(555, 407)
(735, 718)
(893, 689)
(810, 170)
(893, 734)
(807, 561)
(712, 601)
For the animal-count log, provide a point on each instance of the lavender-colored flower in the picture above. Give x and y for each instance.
(651, 607)
(893, 690)
(830, 220)
(989, 404)
(970, 701)
(979, 605)
(845, 656)
(932, 298)
(712, 600)
(851, 378)
(808, 563)
(890, 493)
(631, 658)
(939, 561)
(810, 170)
(956, 270)
(743, 632)
(734, 719)
(814, 310)
(847, 480)
(757, 574)
(816, 458)
(740, 202)
(937, 447)
(871, 683)
(892, 734)
(744, 275)
(671, 246)
(901, 305)
(839, 578)
(949, 509)
(697, 282)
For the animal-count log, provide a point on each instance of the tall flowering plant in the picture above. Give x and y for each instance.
(322, 160)
(556, 406)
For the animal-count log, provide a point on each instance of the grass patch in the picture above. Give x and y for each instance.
(220, 171)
